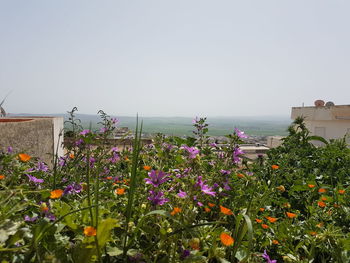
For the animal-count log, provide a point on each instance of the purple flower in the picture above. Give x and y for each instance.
(62, 161)
(30, 219)
(115, 157)
(236, 153)
(200, 203)
(84, 132)
(73, 188)
(103, 130)
(185, 253)
(192, 151)
(226, 186)
(182, 194)
(204, 187)
(240, 134)
(156, 179)
(34, 179)
(213, 144)
(157, 198)
(41, 166)
(78, 142)
(267, 257)
(195, 120)
(115, 121)
(9, 149)
(115, 149)
(225, 172)
(221, 155)
(50, 216)
(91, 161)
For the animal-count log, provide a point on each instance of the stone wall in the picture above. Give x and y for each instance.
(36, 136)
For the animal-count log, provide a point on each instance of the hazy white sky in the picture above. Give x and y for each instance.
(173, 58)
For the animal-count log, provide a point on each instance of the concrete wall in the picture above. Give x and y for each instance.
(274, 141)
(329, 122)
(36, 136)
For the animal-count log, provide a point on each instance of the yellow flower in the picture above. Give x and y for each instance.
(226, 239)
(90, 231)
(24, 157)
(56, 194)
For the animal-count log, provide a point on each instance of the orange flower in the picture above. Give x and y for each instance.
(311, 185)
(275, 167)
(120, 191)
(2, 176)
(225, 211)
(322, 190)
(176, 210)
(324, 198)
(90, 231)
(271, 219)
(287, 205)
(321, 204)
(264, 226)
(240, 175)
(313, 233)
(207, 209)
(211, 204)
(320, 225)
(147, 167)
(258, 220)
(194, 243)
(226, 239)
(44, 208)
(341, 191)
(275, 242)
(109, 177)
(291, 215)
(281, 188)
(56, 194)
(71, 156)
(262, 209)
(24, 157)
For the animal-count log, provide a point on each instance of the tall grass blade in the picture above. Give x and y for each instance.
(133, 182)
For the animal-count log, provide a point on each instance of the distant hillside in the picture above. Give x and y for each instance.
(179, 126)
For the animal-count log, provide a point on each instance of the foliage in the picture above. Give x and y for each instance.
(177, 200)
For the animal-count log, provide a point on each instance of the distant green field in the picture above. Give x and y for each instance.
(183, 126)
(179, 126)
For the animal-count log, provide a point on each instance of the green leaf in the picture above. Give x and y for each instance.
(104, 230)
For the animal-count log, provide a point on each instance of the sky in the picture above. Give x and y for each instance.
(173, 58)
